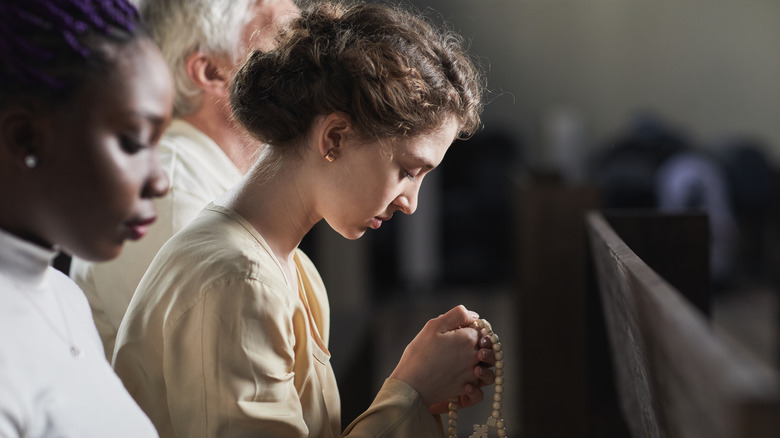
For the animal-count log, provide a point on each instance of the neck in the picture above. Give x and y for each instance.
(279, 207)
(213, 119)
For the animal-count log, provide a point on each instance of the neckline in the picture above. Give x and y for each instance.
(304, 286)
(24, 261)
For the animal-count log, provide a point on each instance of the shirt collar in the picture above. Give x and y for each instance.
(22, 260)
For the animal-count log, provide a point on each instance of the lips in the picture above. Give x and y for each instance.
(138, 228)
(377, 221)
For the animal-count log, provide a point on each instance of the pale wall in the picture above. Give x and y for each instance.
(710, 66)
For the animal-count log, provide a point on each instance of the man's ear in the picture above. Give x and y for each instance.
(19, 134)
(331, 133)
(208, 74)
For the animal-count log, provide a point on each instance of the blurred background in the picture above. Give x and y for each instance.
(655, 104)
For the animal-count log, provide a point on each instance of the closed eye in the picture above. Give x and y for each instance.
(130, 145)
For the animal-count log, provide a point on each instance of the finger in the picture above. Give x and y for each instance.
(485, 375)
(472, 396)
(456, 318)
(487, 355)
(439, 408)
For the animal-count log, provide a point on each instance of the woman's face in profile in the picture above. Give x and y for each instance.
(99, 165)
(377, 179)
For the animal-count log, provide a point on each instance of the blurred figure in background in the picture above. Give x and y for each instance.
(654, 166)
(204, 152)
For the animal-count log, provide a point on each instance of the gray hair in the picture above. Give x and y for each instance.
(182, 27)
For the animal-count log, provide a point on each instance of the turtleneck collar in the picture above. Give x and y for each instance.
(23, 261)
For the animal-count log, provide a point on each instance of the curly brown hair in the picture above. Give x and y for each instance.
(390, 71)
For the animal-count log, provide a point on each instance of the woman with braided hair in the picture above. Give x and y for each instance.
(227, 334)
(84, 97)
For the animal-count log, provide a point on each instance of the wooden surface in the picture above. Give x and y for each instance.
(551, 314)
(675, 377)
(676, 246)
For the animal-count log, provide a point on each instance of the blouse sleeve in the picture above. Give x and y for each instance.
(397, 411)
(242, 383)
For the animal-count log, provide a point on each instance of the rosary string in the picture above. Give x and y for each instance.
(495, 419)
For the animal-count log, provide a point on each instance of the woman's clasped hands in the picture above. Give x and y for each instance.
(448, 358)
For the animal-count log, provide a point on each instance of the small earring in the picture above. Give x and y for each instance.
(330, 156)
(31, 161)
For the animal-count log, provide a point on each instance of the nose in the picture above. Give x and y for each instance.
(407, 201)
(158, 183)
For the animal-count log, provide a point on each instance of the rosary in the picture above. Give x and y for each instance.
(495, 419)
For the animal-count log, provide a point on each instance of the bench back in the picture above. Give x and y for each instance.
(676, 377)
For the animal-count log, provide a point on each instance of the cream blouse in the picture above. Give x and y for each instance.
(215, 343)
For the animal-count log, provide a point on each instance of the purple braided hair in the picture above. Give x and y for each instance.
(33, 33)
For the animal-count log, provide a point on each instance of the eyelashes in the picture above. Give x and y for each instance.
(131, 145)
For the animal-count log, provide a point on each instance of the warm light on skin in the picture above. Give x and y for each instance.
(371, 181)
(99, 167)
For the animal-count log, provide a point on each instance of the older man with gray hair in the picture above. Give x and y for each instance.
(204, 151)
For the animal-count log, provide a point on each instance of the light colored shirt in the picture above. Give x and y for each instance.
(199, 171)
(216, 343)
(45, 389)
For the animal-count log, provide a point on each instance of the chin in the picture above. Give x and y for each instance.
(96, 252)
(352, 234)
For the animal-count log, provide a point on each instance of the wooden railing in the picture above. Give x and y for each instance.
(676, 377)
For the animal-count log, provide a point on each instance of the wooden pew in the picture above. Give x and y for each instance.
(676, 377)
(551, 315)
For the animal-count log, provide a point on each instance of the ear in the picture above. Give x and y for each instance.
(208, 73)
(19, 134)
(331, 134)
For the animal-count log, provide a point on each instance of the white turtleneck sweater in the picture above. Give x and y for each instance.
(45, 389)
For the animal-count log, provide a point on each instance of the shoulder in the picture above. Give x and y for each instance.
(69, 291)
(215, 254)
(198, 169)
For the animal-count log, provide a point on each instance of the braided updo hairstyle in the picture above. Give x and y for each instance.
(47, 47)
(392, 73)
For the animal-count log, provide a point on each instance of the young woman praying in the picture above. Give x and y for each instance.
(84, 96)
(227, 334)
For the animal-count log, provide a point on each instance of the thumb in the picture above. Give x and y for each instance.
(456, 318)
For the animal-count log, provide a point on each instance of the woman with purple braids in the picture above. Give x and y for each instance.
(84, 98)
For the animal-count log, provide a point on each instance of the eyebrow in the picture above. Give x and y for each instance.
(424, 163)
(147, 116)
(153, 117)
